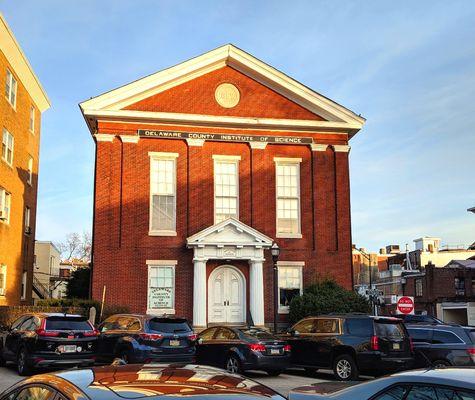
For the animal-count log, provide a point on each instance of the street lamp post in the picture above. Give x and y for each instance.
(275, 251)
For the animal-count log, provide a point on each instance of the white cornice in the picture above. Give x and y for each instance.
(195, 142)
(341, 148)
(258, 145)
(319, 147)
(21, 67)
(163, 155)
(104, 137)
(129, 138)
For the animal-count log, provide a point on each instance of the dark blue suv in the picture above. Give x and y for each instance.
(139, 338)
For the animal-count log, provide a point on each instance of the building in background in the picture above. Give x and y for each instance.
(200, 168)
(46, 265)
(22, 101)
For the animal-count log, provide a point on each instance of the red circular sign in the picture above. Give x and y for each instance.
(405, 305)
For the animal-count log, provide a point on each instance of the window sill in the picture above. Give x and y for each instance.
(161, 311)
(162, 233)
(283, 310)
(289, 235)
(7, 163)
(11, 105)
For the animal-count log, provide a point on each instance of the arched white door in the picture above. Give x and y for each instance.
(226, 296)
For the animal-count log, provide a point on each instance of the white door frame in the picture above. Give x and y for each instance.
(244, 289)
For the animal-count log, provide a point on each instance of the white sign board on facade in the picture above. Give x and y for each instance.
(160, 298)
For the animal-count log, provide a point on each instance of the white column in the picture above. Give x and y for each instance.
(256, 292)
(199, 294)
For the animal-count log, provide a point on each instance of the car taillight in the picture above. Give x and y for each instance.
(193, 337)
(150, 336)
(287, 348)
(257, 347)
(471, 353)
(94, 332)
(374, 343)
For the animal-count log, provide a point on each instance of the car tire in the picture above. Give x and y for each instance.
(233, 365)
(274, 372)
(344, 368)
(22, 366)
(440, 364)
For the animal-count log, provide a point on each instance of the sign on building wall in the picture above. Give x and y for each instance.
(225, 137)
(160, 297)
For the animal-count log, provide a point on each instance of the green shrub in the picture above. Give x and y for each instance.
(324, 297)
(82, 303)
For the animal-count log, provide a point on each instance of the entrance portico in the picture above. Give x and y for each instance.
(225, 289)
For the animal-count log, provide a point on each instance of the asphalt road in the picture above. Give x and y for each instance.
(281, 384)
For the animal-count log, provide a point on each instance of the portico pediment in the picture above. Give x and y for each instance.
(229, 233)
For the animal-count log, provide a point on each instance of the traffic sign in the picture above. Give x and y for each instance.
(405, 305)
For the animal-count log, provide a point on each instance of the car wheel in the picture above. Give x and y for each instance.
(22, 366)
(274, 372)
(440, 364)
(233, 365)
(344, 368)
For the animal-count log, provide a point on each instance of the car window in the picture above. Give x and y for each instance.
(256, 333)
(225, 334)
(19, 321)
(169, 325)
(389, 330)
(471, 334)
(327, 325)
(207, 334)
(67, 324)
(420, 335)
(444, 337)
(109, 324)
(35, 393)
(28, 325)
(359, 326)
(305, 326)
(128, 324)
(419, 392)
(463, 395)
(394, 393)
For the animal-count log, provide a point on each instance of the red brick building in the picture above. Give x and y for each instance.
(199, 169)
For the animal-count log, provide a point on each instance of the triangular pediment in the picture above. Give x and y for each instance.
(171, 95)
(229, 232)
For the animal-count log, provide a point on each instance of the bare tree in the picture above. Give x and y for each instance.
(76, 247)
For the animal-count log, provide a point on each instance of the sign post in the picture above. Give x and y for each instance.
(405, 305)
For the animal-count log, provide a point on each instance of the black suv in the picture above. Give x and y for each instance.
(351, 344)
(137, 338)
(440, 345)
(48, 340)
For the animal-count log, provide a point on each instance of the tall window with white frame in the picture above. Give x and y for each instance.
(7, 147)
(161, 289)
(27, 220)
(24, 277)
(32, 119)
(5, 204)
(30, 170)
(3, 279)
(11, 88)
(163, 194)
(290, 284)
(226, 187)
(288, 197)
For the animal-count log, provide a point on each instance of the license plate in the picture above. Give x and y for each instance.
(174, 342)
(67, 349)
(396, 346)
(274, 351)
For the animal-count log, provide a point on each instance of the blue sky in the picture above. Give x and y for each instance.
(409, 68)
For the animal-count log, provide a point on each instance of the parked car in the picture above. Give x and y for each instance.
(149, 381)
(418, 319)
(240, 349)
(442, 345)
(137, 338)
(48, 340)
(351, 344)
(434, 384)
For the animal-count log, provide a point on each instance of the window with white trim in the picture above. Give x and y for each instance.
(11, 88)
(163, 194)
(23, 285)
(226, 187)
(287, 173)
(32, 119)
(161, 289)
(3, 279)
(5, 205)
(290, 285)
(30, 171)
(7, 147)
(27, 219)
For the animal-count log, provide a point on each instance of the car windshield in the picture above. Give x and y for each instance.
(257, 333)
(67, 324)
(169, 325)
(393, 330)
